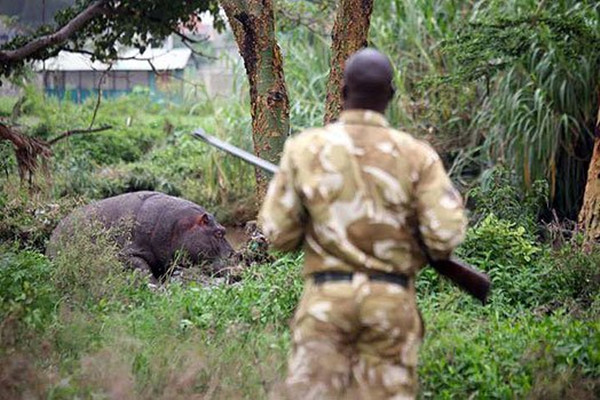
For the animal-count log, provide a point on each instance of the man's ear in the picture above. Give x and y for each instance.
(344, 92)
(392, 91)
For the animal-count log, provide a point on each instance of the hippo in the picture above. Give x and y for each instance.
(152, 229)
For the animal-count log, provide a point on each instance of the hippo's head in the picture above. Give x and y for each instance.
(202, 238)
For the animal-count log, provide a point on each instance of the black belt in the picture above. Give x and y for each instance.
(334, 276)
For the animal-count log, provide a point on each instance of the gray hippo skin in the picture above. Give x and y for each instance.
(152, 228)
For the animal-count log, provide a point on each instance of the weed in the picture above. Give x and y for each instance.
(87, 267)
(499, 194)
(26, 294)
(30, 219)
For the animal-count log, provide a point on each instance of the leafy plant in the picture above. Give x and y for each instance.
(29, 220)
(27, 295)
(505, 251)
(87, 267)
(499, 194)
(574, 276)
(249, 304)
(497, 358)
(541, 67)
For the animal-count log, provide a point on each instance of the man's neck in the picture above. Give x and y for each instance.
(364, 108)
(350, 105)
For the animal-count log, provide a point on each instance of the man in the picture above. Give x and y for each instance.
(353, 193)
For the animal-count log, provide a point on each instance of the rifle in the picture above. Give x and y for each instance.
(469, 279)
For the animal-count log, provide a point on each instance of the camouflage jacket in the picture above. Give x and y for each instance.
(354, 191)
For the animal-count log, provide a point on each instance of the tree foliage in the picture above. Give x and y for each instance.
(108, 25)
(540, 65)
(495, 43)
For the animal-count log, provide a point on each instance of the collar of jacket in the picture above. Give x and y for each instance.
(363, 117)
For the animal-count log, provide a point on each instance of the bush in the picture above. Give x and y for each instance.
(574, 275)
(26, 293)
(499, 194)
(30, 220)
(266, 295)
(87, 268)
(498, 241)
(499, 358)
(510, 257)
(110, 182)
(119, 144)
(136, 179)
(527, 274)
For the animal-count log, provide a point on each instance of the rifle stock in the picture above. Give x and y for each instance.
(472, 281)
(469, 279)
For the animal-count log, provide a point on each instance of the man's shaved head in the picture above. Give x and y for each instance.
(368, 76)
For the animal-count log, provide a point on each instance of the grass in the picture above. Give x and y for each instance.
(99, 333)
(231, 341)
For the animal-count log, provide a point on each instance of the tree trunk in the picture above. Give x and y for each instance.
(589, 216)
(253, 26)
(349, 34)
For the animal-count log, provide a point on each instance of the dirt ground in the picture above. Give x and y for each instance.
(236, 236)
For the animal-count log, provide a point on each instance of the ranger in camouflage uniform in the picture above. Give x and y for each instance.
(352, 193)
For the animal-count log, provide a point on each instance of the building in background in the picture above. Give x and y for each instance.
(75, 77)
(213, 69)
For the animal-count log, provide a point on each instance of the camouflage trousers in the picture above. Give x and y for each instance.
(355, 340)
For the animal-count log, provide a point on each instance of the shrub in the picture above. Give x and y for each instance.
(498, 194)
(499, 358)
(131, 179)
(26, 293)
(266, 295)
(510, 257)
(574, 275)
(125, 144)
(29, 220)
(505, 251)
(87, 268)
(499, 241)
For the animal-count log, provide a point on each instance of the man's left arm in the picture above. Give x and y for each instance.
(282, 214)
(440, 209)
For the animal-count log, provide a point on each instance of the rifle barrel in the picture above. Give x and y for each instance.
(244, 155)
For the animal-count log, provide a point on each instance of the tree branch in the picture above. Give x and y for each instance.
(94, 10)
(78, 131)
(306, 22)
(167, 73)
(186, 38)
(100, 82)
(198, 53)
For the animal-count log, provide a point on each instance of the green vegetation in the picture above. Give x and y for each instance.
(110, 335)
(150, 147)
(80, 327)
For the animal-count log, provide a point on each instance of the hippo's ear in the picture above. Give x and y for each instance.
(203, 219)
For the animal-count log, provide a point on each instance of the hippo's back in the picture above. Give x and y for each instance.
(114, 212)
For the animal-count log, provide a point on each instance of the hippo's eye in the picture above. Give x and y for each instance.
(220, 234)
